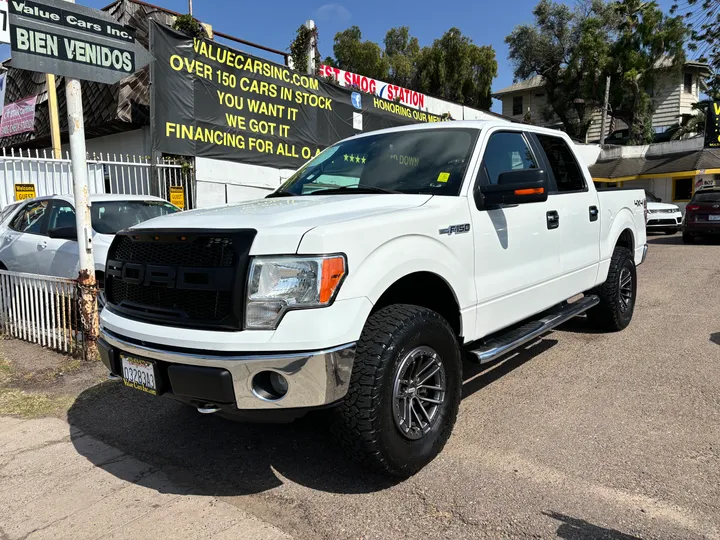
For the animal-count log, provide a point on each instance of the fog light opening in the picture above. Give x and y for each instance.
(269, 385)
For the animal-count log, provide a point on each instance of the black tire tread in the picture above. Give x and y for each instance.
(604, 316)
(358, 412)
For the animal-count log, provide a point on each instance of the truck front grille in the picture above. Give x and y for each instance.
(185, 279)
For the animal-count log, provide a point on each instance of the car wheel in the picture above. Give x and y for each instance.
(617, 294)
(404, 391)
(688, 238)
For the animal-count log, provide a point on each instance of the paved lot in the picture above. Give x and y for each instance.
(583, 435)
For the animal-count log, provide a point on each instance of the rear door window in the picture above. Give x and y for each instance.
(566, 170)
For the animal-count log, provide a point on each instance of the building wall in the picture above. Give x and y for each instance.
(132, 143)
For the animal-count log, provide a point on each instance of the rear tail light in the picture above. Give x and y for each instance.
(692, 207)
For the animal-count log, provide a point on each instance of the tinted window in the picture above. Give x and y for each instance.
(62, 215)
(708, 196)
(687, 83)
(565, 168)
(507, 152)
(31, 218)
(113, 216)
(421, 161)
(9, 209)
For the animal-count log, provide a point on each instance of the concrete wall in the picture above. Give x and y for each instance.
(133, 143)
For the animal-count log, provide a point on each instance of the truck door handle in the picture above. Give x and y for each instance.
(594, 213)
(553, 219)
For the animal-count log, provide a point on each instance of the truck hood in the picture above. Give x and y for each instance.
(304, 212)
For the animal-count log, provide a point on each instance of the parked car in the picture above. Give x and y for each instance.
(41, 236)
(702, 215)
(662, 217)
(425, 244)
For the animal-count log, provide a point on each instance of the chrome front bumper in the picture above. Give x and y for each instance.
(314, 378)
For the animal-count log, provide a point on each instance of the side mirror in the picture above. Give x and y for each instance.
(64, 233)
(517, 187)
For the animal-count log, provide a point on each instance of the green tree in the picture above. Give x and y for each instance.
(354, 54)
(456, 69)
(703, 20)
(648, 46)
(452, 68)
(402, 52)
(574, 49)
(569, 48)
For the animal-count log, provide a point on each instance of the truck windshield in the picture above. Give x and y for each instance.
(429, 161)
(109, 217)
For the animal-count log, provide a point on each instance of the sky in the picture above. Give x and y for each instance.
(273, 22)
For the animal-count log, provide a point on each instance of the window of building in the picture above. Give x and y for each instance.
(517, 105)
(565, 168)
(507, 152)
(687, 83)
(682, 189)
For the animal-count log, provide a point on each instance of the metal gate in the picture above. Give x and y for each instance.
(40, 309)
(107, 173)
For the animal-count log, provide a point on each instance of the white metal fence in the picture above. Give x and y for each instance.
(40, 309)
(107, 173)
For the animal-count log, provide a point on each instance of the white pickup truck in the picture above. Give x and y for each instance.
(364, 281)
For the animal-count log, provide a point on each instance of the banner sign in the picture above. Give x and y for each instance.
(24, 192)
(216, 102)
(712, 125)
(18, 117)
(55, 36)
(3, 86)
(408, 97)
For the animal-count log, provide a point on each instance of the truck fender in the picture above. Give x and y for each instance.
(620, 223)
(382, 268)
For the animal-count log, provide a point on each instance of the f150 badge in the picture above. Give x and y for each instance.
(456, 229)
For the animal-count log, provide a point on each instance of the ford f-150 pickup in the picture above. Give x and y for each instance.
(365, 280)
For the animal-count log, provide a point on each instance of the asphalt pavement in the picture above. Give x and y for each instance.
(582, 435)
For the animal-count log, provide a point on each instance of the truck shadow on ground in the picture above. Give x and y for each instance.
(571, 528)
(209, 455)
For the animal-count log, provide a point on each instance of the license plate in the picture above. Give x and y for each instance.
(714, 217)
(139, 374)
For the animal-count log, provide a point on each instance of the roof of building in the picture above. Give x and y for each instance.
(627, 168)
(535, 81)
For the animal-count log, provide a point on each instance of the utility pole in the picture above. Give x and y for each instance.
(54, 115)
(81, 190)
(310, 25)
(190, 7)
(603, 122)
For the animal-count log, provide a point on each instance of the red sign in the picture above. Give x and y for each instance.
(18, 117)
(373, 86)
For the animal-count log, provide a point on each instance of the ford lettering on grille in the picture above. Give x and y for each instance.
(171, 277)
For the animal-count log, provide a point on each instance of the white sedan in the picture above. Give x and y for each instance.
(38, 236)
(662, 217)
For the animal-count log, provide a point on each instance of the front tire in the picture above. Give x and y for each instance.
(404, 391)
(617, 294)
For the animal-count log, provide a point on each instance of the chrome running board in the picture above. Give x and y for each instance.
(499, 344)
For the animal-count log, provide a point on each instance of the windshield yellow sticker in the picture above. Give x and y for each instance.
(443, 177)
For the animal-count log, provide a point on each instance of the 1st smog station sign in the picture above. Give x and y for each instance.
(54, 36)
(213, 101)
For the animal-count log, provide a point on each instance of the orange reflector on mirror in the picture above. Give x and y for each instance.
(530, 191)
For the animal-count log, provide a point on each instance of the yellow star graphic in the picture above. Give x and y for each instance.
(345, 156)
(363, 159)
(352, 158)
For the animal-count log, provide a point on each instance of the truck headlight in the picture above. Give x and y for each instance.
(279, 284)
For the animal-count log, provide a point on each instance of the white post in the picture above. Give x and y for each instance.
(310, 25)
(81, 191)
(190, 7)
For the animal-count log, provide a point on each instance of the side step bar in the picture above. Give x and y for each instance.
(503, 343)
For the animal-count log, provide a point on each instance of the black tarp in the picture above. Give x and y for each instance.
(213, 101)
